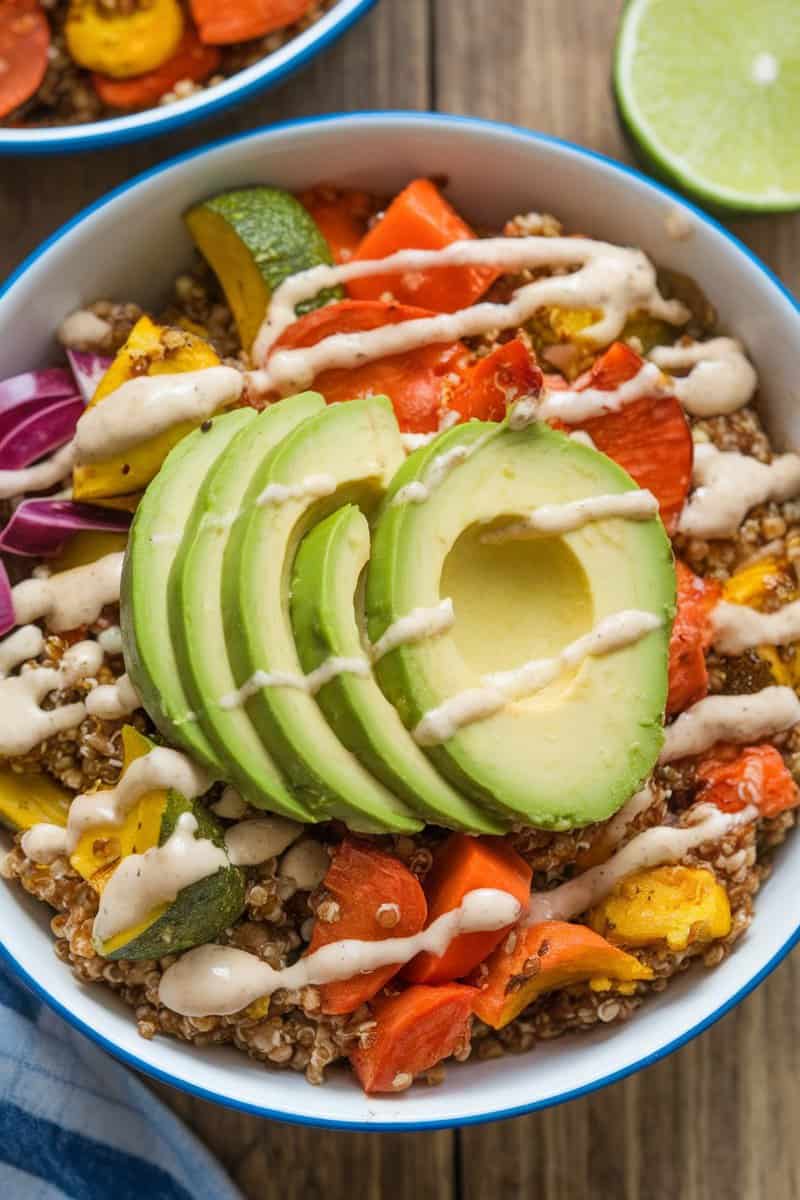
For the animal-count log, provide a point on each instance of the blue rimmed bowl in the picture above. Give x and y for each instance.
(266, 73)
(130, 246)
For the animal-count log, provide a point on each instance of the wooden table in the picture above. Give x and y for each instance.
(717, 1121)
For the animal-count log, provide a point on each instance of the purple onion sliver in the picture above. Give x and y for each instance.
(88, 370)
(7, 618)
(32, 385)
(41, 528)
(40, 433)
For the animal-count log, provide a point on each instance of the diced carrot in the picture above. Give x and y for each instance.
(24, 43)
(495, 382)
(341, 215)
(220, 22)
(691, 637)
(650, 438)
(421, 219)
(732, 778)
(414, 1031)
(461, 865)
(412, 381)
(369, 887)
(546, 956)
(192, 60)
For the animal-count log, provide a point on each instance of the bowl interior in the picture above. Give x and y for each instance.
(130, 247)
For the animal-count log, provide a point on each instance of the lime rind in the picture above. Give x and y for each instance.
(734, 96)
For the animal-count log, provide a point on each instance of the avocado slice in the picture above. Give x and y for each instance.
(198, 628)
(349, 452)
(144, 604)
(325, 597)
(201, 911)
(253, 239)
(573, 752)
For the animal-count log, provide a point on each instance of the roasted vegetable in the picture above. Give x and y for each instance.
(676, 905)
(120, 43)
(27, 799)
(733, 777)
(190, 60)
(690, 639)
(24, 47)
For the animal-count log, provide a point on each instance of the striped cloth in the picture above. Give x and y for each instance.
(76, 1124)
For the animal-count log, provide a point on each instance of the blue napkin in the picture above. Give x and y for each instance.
(76, 1124)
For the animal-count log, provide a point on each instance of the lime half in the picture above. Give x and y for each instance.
(710, 91)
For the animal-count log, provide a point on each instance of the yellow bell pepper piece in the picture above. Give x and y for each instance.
(749, 586)
(123, 44)
(87, 547)
(127, 473)
(100, 849)
(26, 799)
(676, 905)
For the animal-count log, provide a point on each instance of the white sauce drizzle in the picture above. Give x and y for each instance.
(221, 980)
(159, 768)
(652, 848)
(438, 470)
(111, 640)
(615, 280)
(416, 626)
(23, 723)
(310, 683)
(574, 407)
(254, 841)
(110, 701)
(615, 829)
(640, 505)
(44, 843)
(582, 438)
(82, 330)
(143, 882)
(142, 408)
(310, 487)
(40, 476)
(18, 647)
(306, 863)
(614, 632)
(730, 719)
(721, 379)
(728, 484)
(737, 627)
(70, 598)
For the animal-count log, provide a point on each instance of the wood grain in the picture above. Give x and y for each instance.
(716, 1121)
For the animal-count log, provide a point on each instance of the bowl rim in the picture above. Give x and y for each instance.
(389, 117)
(267, 73)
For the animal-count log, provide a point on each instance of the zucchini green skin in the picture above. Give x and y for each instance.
(201, 911)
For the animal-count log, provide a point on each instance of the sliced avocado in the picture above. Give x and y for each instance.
(144, 604)
(196, 611)
(253, 239)
(199, 912)
(327, 571)
(349, 452)
(573, 752)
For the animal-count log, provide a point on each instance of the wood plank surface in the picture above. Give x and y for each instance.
(716, 1120)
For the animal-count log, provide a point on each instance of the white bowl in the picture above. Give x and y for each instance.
(266, 73)
(130, 246)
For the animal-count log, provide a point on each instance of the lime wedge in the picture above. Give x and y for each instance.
(710, 92)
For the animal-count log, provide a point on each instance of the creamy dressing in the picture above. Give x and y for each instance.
(23, 722)
(737, 627)
(614, 632)
(306, 863)
(311, 487)
(83, 330)
(566, 518)
(613, 280)
(44, 843)
(416, 626)
(437, 471)
(143, 882)
(110, 701)
(159, 769)
(111, 640)
(311, 683)
(728, 484)
(144, 407)
(615, 829)
(721, 379)
(572, 407)
(40, 476)
(652, 848)
(254, 841)
(18, 647)
(730, 719)
(69, 598)
(221, 980)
